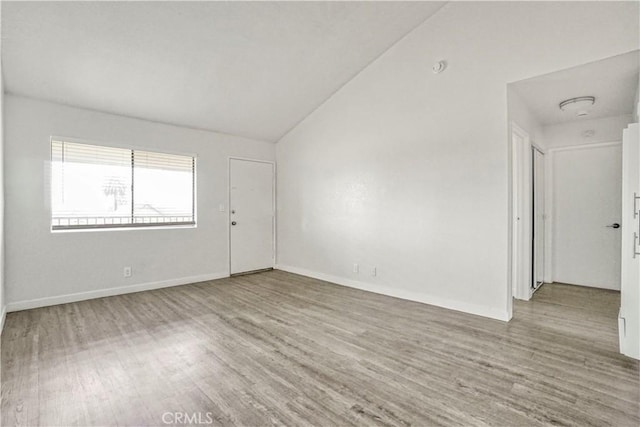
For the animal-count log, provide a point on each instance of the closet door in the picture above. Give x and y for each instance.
(629, 320)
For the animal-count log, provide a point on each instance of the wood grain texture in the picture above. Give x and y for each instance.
(280, 349)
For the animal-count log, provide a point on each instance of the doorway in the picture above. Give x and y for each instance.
(528, 214)
(577, 116)
(538, 215)
(251, 215)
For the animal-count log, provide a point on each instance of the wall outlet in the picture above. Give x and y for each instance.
(126, 272)
(356, 268)
(374, 271)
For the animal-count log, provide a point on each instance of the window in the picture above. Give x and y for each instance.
(104, 187)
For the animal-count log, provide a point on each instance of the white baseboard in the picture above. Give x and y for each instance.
(81, 296)
(403, 294)
(610, 288)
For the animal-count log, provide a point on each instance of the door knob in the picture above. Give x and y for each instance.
(614, 225)
(233, 223)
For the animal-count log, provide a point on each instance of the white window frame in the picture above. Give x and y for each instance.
(132, 225)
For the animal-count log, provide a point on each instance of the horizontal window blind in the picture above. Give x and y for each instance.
(89, 154)
(103, 187)
(167, 162)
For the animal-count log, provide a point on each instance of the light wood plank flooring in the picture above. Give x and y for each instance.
(280, 349)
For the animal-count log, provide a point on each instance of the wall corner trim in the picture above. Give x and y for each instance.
(3, 316)
(464, 307)
(101, 293)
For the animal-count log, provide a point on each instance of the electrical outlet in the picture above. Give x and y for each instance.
(127, 272)
(356, 268)
(374, 271)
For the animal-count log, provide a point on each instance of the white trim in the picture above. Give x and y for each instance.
(3, 316)
(534, 171)
(535, 146)
(464, 307)
(248, 159)
(549, 217)
(121, 290)
(274, 201)
(585, 146)
(521, 220)
(598, 286)
(101, 229)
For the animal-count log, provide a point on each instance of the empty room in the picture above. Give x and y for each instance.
(319, 213)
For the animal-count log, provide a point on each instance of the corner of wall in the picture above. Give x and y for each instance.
(3, 306)
(519, 112)
(636, 105)
(3, 316)
(478, 310)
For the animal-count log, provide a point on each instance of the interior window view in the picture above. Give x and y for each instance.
(354, 213)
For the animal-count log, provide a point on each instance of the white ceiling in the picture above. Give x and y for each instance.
(613, 82)
(246, 68)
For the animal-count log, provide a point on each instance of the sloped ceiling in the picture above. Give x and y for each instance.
(253, 69)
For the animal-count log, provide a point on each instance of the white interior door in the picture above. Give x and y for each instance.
(251, 215)
(629, 320)
(521, 210)
(587, 187)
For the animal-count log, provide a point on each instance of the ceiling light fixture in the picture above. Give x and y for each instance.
(580, 104)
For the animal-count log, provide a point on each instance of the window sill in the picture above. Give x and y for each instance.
(130, 228)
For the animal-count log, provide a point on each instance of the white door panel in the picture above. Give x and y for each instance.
(251, 212)
(521, 255)
(587, 185)
(629, 321)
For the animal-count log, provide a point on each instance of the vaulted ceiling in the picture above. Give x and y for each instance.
(253, 69)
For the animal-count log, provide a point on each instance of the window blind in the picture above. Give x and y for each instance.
(102, 187)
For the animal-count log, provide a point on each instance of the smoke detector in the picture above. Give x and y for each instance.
(439, 67)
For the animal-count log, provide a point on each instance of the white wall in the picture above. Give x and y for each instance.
(520, 113)
(606, 129)
(636, 104)
(409, 171)
(2, 291)
(41, 264)
(2, 251)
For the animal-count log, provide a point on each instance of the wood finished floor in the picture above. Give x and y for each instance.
(280, 349)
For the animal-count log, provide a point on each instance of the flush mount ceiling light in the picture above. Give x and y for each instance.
(579, 104)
